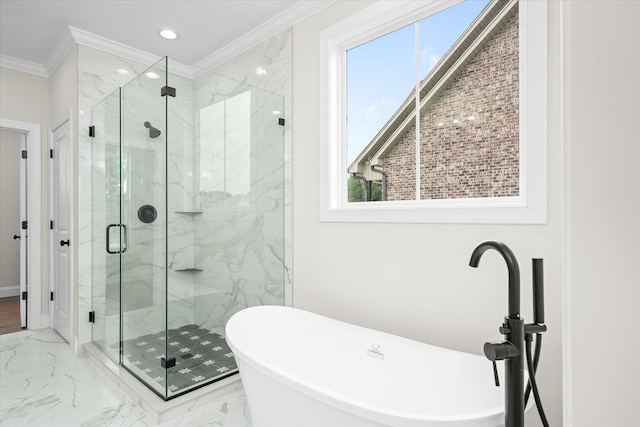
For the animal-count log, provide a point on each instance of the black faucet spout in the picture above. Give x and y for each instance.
(512, 266)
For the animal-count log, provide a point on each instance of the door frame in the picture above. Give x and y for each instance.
(34, 217)
(67, 116)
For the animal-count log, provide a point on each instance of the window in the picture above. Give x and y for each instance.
(476, 152)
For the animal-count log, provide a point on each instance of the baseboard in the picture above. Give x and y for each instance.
(9, 291)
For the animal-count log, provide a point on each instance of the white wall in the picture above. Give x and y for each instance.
(25, 97)
(413, 279)
(602, 167)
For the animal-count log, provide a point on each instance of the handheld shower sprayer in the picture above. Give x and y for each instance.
(153, 132)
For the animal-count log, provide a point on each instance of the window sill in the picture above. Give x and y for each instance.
(504, 210)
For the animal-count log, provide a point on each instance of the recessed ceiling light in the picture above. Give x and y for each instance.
(168, 34)
(276, 112)
(122, 71)
(260, 71)
(152, 75)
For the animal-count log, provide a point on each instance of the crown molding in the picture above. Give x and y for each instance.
(98, 42)
(289, 17)
(22, 65)
(60, 50)
(299, 11)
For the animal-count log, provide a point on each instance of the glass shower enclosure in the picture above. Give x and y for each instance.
(188, 222)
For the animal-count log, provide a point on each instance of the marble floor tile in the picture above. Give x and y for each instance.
(43, 384)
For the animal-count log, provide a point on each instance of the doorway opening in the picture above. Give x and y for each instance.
(13, 237)
(28, 228)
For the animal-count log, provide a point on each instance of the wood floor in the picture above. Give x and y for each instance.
(9, 315)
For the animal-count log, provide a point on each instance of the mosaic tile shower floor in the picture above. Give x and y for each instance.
(201, 356)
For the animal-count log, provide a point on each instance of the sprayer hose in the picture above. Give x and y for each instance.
(532, 376)
(536, 359)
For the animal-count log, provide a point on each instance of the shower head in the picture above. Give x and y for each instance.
(153, 132)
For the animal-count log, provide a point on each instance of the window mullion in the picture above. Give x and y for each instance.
(417, 107)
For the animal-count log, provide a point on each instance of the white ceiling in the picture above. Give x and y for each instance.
(36, 31)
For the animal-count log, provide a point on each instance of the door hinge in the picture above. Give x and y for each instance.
(281, 121)
(51, 296)
(168, 363)
(24, 154)
(24, 225)
(25, 295)
(92, 131)
(51, 153)
(168, 91)
(51, 225)
(92, 317)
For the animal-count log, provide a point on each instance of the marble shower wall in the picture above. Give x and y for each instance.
(253, 272)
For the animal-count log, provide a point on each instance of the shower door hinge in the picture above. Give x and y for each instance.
(51, 225)
(168, 363)
(168, 91)
(92, 131)
(51, 296)
(24, 225)
(51, 153)
(92, 317)
(25, 295)
(24, 154)
(281, 121)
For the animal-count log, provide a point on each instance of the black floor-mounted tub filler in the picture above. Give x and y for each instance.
(516, 347)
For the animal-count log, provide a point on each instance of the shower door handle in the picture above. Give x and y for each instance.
(121, 243)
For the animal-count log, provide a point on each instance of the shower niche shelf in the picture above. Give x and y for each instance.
(189, 212)
(188, 270)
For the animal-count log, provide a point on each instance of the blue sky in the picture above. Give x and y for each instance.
(381, 73)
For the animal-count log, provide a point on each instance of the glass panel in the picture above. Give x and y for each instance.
(469, 104)
(381, 75)
(144, 214)
(226, 218)
(105, 203)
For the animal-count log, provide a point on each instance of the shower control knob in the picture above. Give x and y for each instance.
(500, 350)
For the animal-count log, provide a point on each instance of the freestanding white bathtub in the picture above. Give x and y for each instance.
(302, 369)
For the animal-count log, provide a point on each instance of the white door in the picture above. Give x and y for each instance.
(61, 188)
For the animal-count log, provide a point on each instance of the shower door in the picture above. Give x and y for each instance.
(107, 242)
(143, 212)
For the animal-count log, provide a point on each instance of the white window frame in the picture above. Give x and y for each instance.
(530, 207)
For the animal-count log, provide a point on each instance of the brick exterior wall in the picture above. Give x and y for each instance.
(400, 165)
(473, 158)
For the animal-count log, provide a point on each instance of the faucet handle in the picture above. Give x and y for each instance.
(495, 373)
(500, 350)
